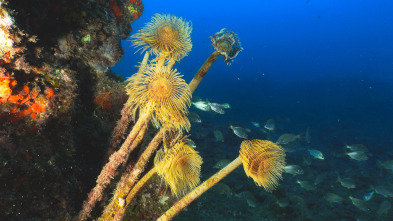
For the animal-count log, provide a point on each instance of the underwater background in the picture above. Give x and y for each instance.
(315, 77)
(322, 65)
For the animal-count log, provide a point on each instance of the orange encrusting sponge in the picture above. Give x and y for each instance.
(26, 102)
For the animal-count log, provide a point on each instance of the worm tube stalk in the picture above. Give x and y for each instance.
(186, 200)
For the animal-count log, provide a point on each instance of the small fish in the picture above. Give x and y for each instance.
(222, 163)
(357, 147)
(194, 117)
(289, 148)
(316, 154)
(283, 202)
(201, 105)
(357, 155)
(293, 169)
(386, 191)
(216, 108)
(270, 124)
(201, 132)
(191, 144)
(249, 197)
(360, 204)
(333, 198)
(222, 189)
(218, 135)
(263, 130)
(320, 178)
(346, 182)
(306, 185)
(287, 138)
(368, 196)
(225, 105)
(384, 208)
(388, 165)
(256, 124)
(239, 131)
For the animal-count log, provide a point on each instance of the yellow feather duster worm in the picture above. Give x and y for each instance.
(165, 34)
(162, 93)
(180, 167)
(263, 161)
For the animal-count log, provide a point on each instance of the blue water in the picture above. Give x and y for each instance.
(323, 65)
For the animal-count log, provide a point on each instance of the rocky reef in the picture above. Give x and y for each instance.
(59, 101)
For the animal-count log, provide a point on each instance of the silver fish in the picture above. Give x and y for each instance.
(222, 189)
(388, 165)
(194, 117)
(218, 135)
(306, 185)
(256, 124)
(357, 155)
(316, 154)
(270, 124)
(357, 147)
(191, 143)
(249, 197)
(287, 138)
(346, 182)
(201, 105)
(384, 208)
(216, 108)
(386, 191)
(320, 178)
(283, 202)
(360, 204)
(239, 131)
(293, 169)
(222, 163)
(333, 198)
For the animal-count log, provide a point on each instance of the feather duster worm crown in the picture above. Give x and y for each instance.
(165, 34)
(263, 161)
(161, 92)
(179, 166)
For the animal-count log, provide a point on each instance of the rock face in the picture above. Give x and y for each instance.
(58, 100)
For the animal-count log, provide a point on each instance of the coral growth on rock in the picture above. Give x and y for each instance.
(58, 100)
